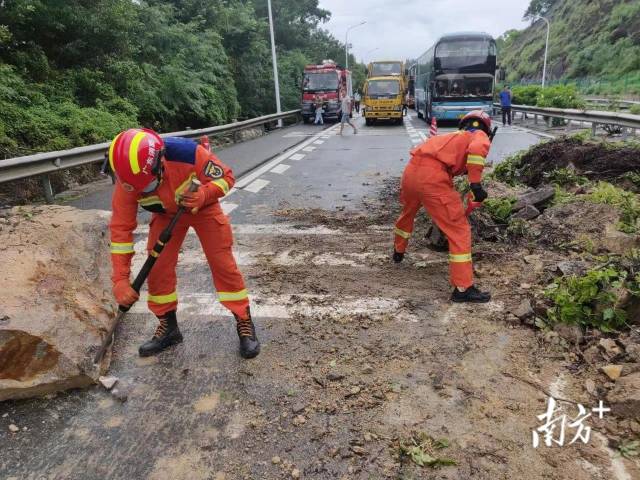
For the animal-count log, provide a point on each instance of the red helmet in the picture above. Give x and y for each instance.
(134, 156)
(477, 119)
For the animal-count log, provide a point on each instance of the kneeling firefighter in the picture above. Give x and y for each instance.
(155, 174)
(428, 182)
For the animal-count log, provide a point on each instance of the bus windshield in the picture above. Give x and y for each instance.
(386, 69)
(455, 54)
(463, 86)
(379, 88)
(314, 82)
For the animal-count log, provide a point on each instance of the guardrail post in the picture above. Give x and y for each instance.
(535, 119)
(594, 129)
(625, 133)
(48, 189)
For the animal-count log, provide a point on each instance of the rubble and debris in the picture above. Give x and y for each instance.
(536, 198)
(612, 371)
(108, 382)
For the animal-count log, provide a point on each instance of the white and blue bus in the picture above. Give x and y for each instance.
(455, 76)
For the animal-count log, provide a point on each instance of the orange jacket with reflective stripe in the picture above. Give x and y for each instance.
(461, 152)
(184, 159)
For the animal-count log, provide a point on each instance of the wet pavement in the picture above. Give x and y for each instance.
(183, 413)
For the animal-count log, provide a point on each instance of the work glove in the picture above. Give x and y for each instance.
(479, 193)
(124, 293)
(194, 200)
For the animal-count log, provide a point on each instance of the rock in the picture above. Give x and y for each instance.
(275, 460)
(13, 428)
(299, 420)
(528, 212)
(354, 391)
(524, 310)
(58, 302)
(535, 261)
(590, 387)
(616, 241)
(298, 408)
(295, 473)
(569, 267)
(624, 398)
(121, 394)
(108, 382)
(610, 347)
(592, 355)
(536, 198)
(612, 371)
(358, 450)
(571, 333)
(633, 351)
(367, 369)
(334, 376)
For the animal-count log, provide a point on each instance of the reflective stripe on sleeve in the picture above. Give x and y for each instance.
(402, 233)
(475, 160)
(232, 296)
(146, 201)
(121, 248)
(163, 299)
(183, 187)
(459, 257)
(222, 184)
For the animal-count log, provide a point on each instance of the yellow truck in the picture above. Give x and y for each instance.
(383, 99)
(389, 68)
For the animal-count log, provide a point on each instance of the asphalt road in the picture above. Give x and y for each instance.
(185, 407)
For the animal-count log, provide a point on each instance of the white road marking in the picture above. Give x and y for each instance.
(246, 180)
(288, 305)
(280, 168)
(297, 156)
(256, 185)
(308, 149)
(319, 142)
(228, 207)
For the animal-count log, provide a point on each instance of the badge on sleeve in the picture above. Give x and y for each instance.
(212, 170)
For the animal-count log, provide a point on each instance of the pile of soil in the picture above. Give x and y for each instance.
(594, 160)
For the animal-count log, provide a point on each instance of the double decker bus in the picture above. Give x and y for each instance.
(456, 75)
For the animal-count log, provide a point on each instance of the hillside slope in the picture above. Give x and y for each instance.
(589, 38)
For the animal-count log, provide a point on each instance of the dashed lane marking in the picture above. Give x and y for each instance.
(297, 156)
(280, 168)
(256, 185)
(228, 207)
(308, 149)
(319, 142)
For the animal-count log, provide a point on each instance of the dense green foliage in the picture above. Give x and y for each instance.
(557, 96)
(591, 299)
(595, 42)
(74, 72)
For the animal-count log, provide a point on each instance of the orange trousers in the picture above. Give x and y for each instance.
(214, 232)
(426, 183)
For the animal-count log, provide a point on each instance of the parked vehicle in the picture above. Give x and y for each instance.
(383, 99)
(331, 82)
(456, 75)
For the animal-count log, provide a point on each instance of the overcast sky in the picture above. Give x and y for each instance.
(402, 29)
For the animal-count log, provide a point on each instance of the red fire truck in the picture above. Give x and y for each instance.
(331, 83)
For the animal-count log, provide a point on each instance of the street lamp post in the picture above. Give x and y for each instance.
(276, 79)
(546, 51)
(346, 43)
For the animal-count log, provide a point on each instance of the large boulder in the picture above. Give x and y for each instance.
(56, 301)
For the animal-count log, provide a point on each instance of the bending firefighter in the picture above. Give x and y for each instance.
(155, 174)
(428, 182)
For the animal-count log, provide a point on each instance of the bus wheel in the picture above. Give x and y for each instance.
(419, 112)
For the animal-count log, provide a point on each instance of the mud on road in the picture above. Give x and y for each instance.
(359, 357)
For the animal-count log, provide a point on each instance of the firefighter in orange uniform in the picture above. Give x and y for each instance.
(155, 173)
(428, 182)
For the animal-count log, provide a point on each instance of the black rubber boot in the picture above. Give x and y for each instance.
(249, 344)
(397, 256)
(167, 334)
(470, 295)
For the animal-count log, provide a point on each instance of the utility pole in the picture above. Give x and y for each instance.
(546, 51)
(346, 43)
(276, 79)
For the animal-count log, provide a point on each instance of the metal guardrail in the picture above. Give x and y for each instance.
(611, 101)
(43, 164)
(594, 117)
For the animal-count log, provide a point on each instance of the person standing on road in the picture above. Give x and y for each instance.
(155, 173)
(505, 103)
(356, 100)
(319, 110)
(428, 182)
(345, 108)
